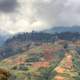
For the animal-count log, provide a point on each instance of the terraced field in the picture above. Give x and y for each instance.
(47, 61)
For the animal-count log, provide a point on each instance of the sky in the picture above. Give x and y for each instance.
(27, 15)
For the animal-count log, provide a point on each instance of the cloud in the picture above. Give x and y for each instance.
(58, 12)
(24, 19)
(8, 5)
(38, 14)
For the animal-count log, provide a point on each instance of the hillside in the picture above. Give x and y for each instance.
(24, 41)
(68, 68)
(41, 56)
(59, 29)
(3, 37)
(46, 61)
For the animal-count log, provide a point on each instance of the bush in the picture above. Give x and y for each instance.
(4, 74)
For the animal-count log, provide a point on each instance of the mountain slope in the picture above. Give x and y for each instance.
(23, 41)
(46, 61)
(31, 61)
(69, 67)
(60, 29)
(3, 37)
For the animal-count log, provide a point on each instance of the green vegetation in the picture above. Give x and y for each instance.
(35, 63)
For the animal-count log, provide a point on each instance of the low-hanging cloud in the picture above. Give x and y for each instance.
(38, 14)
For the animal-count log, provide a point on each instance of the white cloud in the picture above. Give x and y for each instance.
(22, 20)
(40, 14)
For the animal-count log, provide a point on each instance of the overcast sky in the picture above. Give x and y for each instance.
(28, 15)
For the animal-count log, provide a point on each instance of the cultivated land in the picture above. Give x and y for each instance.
(44, 61)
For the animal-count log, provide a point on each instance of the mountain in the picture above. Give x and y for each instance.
(21, 42)
(41, 56)
(3, 37)
(68, 68)
(47, 61)
(60, 29)
(24, 41)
